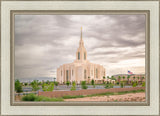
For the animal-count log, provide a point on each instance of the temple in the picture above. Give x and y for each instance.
(81, 69)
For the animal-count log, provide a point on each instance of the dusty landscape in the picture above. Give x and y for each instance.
(139, 97)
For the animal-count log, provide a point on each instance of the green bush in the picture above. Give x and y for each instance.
(107, 82)
(92, 82)
(47, 82)
(33, 97)
(18, 86)
(107, 86)
(73, 86)
(40, 83)
(134, 84)
(25, 84)
(34, 85)
(56, 83)
(122, 85)
(125, 82)
(83, 85)
(29, 97)
(67, 83)
(48, 87)
(143, 84)
(117, 83)
(72, 97)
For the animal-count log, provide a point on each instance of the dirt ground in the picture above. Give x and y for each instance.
(139, 97)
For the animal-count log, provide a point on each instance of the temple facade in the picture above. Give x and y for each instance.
(81, 69)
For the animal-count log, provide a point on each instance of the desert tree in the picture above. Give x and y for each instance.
(18, 86)
(34, 85)
(128, 78)
(119, 79)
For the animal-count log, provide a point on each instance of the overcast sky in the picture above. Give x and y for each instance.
(44, 42)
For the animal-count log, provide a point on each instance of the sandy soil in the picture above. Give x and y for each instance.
(126, 97)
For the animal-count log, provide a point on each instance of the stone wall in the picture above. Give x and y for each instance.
(86, 92)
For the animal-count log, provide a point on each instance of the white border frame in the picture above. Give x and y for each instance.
(152, 6)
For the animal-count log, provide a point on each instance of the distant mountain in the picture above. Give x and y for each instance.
(37, 78)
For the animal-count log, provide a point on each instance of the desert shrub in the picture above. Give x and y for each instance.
(143, 84)
(83, 85)
(48, 87)
(34, 85)
(33, 97)
(42, 98)
(107, 86)
(56, 83)
(125, 82)
(72, 97)
(18, 86)
(122, 85)
(25, 84)
(40, 83)
(47, 82)
(134, 84)
(67, 83)
(92, 82)
(117, 83)
(104, 79)
(29, 97)
(73, 86)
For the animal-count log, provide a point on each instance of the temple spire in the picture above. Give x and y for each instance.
(81, 40)
(81, 33)
(81, 54)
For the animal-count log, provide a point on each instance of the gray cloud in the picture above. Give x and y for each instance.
(44, 42)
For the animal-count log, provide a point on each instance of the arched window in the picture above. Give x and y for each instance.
(78, 55)
(84, 55)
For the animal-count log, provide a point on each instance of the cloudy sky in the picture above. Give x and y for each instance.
(44, 42)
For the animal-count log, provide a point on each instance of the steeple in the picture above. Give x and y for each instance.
(81, 33)
(81, 43)
(81, 54)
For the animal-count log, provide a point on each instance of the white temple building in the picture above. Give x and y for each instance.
(81, 69)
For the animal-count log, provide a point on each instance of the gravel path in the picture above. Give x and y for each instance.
(126, 97)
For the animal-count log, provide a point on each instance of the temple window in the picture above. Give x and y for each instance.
(67, 75)
(78, 55)
(85, 74)
(92, 72)
(72, 72)
(84, 55)
(96, 73)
